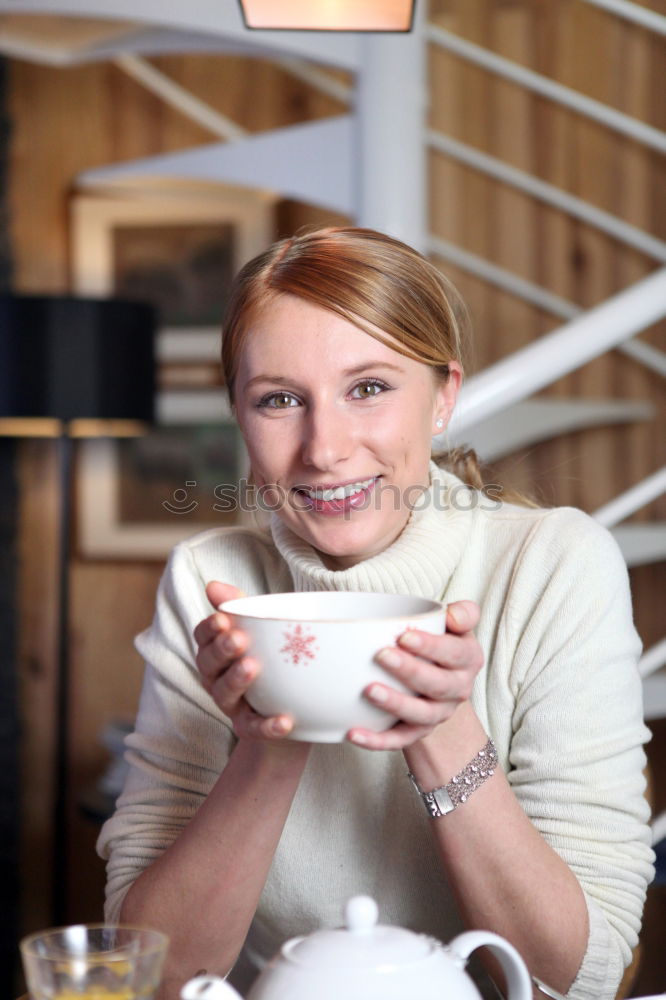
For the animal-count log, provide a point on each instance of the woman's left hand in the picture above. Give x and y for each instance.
(438, 669)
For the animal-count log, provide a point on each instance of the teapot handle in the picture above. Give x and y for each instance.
(518, 979)
(208, 988)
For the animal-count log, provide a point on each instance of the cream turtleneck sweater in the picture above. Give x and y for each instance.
(559, 694)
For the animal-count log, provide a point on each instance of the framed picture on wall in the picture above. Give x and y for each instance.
(138, 497)
(177, 245)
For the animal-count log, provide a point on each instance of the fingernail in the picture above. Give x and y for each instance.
(281, 726)
(378, 693)
(411, 640)
(389, 657)
(358, 738)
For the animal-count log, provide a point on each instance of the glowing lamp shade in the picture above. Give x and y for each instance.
(329, 15)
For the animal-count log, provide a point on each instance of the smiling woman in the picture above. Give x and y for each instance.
(342, 357)
(357, 400)
(335, 436)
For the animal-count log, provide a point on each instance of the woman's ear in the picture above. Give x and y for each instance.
(447, 394)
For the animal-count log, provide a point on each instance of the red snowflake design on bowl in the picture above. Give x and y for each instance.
(299, 645)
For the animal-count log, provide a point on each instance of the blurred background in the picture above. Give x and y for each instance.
(517, 142)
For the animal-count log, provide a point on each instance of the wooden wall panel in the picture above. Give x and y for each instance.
(111, 604)
(67, 121)
(37, 664)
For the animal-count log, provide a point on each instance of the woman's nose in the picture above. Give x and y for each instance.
(327, 441)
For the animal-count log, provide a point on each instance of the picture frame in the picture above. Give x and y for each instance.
(183, 508)
(176, 244)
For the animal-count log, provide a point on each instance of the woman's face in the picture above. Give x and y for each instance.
(340, 424)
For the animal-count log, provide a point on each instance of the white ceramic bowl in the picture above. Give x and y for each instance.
(317, 654)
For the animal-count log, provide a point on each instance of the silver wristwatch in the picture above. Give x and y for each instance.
(446, 798)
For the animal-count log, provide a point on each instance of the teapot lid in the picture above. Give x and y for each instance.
(361, 943)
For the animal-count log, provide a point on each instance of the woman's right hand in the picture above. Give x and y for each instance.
(227, 673)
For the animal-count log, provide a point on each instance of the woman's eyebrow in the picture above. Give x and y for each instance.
(347, 373)
(273, 379)
(373, 364)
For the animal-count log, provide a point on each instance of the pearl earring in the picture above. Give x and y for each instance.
(439, 423)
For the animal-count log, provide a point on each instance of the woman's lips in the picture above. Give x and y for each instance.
(329, 502)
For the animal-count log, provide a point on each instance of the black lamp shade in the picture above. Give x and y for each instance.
(73, 358)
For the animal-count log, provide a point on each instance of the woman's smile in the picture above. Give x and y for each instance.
(334, 500)
(339, 423)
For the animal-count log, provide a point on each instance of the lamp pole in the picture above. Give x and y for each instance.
(61, 803)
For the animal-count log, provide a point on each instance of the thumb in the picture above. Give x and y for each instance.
(462, 616)
(217, 593)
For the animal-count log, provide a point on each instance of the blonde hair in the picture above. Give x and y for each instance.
(370, 279)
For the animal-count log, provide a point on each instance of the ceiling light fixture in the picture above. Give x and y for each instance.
(328, 15)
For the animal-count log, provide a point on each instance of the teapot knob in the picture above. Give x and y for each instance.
(361, 914)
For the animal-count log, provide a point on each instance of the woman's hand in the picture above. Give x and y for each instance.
(438, 669)
(227, 673)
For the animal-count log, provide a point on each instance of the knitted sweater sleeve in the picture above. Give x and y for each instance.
(181, 741)
(576, 757)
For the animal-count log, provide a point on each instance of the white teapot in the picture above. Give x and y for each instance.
(367, 961)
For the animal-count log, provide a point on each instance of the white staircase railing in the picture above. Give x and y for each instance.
(634, 12)
(628, 503)
(545, 360)
(549, 195)
(542, 85)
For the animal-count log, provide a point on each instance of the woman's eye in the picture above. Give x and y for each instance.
(365, 390)
(278, 401)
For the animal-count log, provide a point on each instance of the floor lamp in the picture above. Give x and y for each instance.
(72, 367)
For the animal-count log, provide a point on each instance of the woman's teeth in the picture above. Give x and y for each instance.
(341, 492)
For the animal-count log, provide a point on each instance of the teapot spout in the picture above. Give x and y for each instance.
(208, 988)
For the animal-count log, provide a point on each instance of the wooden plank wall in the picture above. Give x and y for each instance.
(67, 120)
